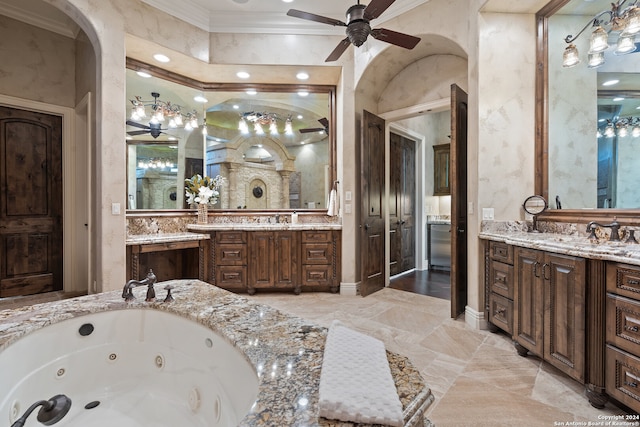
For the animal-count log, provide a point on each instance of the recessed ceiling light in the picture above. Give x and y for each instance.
(200, 98)
(173, 138)
(300, 116)
(161, 58)
(236, 107)
(243, 74)
(617, 99)
(251, 92)
(610, 82)
(302, 75)
(287, 1)
(303, 93)
(143, 74)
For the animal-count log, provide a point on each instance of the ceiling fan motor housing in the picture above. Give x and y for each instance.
(358, 28)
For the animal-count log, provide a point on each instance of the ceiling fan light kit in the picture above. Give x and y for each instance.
(358, 27)
(160, 110)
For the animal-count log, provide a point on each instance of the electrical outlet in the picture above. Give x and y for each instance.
(347, 195)
(487, 214)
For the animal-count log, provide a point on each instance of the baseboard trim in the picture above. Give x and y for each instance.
(475, 319)
(349, 289)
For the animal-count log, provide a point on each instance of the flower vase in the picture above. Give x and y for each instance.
(203, 210)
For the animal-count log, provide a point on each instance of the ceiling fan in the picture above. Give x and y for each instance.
(325, 127)
(154, 129)
(358, 28)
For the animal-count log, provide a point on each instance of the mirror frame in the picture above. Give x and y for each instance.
(541, 178)
(135, 65)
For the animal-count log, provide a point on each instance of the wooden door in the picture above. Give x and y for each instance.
(401, 205)
(458, 181)
(528, 317)
(372, 236)
(565, 317)
(31, 250)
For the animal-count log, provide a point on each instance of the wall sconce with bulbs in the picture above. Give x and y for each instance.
(622, 18)
(263, 119)
(621, 128)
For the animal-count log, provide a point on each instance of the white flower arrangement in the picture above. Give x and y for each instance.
(203, 190)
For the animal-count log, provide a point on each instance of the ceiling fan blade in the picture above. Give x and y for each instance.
(137, 125)
(393, 37)
(324, 122)
(310, 130)
(339, 50)
(316, 18)
(137, 132)
(377, 8)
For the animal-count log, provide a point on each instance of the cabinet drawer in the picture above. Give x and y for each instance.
(317, 253)
(233, 236)
(316, 275)
(231, 277)
(316, 236)
(622, 377)
(623, 323)
(501, 312)
(501, 279)
(231, 254)
(499, 251)
(623, 279)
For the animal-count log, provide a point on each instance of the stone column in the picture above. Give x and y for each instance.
(233, 185)
(284, 195)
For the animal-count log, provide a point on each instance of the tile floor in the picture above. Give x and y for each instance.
(476, 376)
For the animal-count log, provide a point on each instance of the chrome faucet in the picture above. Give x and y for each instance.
(614, 226)
(127, 291)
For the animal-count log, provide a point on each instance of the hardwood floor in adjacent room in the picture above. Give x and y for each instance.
(433, 283)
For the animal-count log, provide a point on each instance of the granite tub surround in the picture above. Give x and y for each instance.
(567, 239)
(286, 351)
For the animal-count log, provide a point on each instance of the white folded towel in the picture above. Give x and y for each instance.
(355, 382)
(333, 206)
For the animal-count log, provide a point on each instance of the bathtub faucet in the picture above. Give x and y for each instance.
(51, 411)
(127, 291)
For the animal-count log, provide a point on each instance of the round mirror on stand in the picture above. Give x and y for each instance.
(535, 205)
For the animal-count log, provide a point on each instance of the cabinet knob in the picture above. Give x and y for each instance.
(631, 328)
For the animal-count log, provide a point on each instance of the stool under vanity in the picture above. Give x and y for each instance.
(572, 302)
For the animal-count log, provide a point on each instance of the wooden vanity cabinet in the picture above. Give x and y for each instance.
(622, 354)
(229, 260)
(500, 286)
(319, 260)
(549, 309)
(273, 260)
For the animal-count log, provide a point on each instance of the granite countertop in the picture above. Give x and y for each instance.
(286, 351)
(144, 239)
(256, 226)
(576, 245)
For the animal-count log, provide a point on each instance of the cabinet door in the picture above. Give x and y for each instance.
(529, 300)
(261, 259)
(564, 332)
(441, 170)
(285, 272)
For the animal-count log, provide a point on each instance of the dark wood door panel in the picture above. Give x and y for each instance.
(30, 202)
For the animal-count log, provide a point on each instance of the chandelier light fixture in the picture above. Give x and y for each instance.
(623, 19)
(162, 111)
(260, 119)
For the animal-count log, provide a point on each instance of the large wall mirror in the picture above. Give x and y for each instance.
(587, 115)
(273, 144)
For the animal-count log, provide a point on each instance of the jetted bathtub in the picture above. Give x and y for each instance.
(126, 368)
